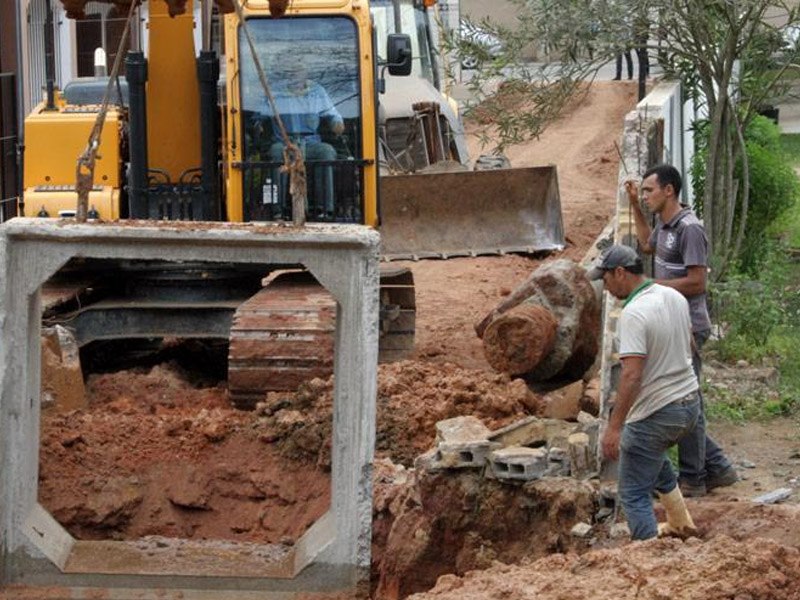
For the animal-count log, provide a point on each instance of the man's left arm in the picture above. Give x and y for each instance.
(694, 250)
(630, 384)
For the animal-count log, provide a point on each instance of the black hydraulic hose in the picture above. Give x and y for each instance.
(136, 73)
(208, 207)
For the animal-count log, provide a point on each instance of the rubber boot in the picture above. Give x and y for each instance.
(679, 521)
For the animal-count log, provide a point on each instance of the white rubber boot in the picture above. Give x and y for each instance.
(679, 521)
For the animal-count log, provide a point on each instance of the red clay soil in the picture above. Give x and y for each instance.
(719, 569)
(154, 456)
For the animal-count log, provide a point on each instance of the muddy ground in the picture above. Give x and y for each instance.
(160, 452)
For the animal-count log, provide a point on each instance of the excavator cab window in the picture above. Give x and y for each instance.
(311, 64)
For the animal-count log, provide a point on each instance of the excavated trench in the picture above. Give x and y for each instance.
(158, 451)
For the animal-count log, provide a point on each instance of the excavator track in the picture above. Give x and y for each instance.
(280, 338)
(284, 335)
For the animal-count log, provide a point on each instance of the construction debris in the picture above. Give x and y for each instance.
(528, 449)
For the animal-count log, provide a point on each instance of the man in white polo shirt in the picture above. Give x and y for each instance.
(657, 400)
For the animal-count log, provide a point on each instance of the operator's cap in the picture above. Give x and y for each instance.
(613, 257)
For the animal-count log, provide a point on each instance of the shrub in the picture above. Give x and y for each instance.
(774, 187)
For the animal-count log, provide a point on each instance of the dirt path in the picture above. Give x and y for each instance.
(453, 294)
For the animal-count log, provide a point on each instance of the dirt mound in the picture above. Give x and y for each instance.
(654, 570)
(412, 397)
(430, 524)
(156, 455)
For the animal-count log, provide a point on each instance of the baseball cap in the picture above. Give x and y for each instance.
(613, 257)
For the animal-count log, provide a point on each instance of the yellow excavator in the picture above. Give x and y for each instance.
(356, 87)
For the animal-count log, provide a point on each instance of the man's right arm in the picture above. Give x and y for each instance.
(643, 230)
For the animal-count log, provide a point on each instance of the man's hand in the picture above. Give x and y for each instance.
(611, 442)
(632, 189)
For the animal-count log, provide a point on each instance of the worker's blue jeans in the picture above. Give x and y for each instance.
(699, 456)
(643, 462)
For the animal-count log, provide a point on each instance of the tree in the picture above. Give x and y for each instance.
(731, 54)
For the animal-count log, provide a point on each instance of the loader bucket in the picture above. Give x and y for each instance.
(469, 213)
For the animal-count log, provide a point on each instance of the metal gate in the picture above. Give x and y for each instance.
(9, 164)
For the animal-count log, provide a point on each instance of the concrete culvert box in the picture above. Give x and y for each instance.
(41, 560)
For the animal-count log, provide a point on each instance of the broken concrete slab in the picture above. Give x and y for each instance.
(582, 459)
(533, 431)
(462, 429)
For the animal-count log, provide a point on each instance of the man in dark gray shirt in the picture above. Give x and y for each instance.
(680, 246)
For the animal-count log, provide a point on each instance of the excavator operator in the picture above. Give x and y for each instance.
(303, 106)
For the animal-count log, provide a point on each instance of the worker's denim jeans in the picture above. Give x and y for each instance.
(699, 456)
(643, 462)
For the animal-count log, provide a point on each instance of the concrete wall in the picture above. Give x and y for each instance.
(657, 131)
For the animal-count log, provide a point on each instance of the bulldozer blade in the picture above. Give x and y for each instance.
(439, 215)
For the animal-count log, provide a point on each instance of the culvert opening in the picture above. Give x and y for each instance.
(140, 442)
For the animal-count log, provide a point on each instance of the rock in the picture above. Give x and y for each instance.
(462, 429)
(564, 403)
(619, 530)
(581, 530)
(747, 464)
(189, 489)
(114, 504)
(774, 496)
(590, 401)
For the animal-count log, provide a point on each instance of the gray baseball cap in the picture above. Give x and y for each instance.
(613, 257)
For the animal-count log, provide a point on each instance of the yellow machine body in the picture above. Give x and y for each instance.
(54, 139)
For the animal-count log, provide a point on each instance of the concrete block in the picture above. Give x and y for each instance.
(558, 462)
(519, 463)
(462, 455)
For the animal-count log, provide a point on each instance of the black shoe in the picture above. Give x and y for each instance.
(727, 477)
(617, 78)
(693, 491)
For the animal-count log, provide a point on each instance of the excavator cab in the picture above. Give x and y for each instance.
(313, 69)
(320, 76)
